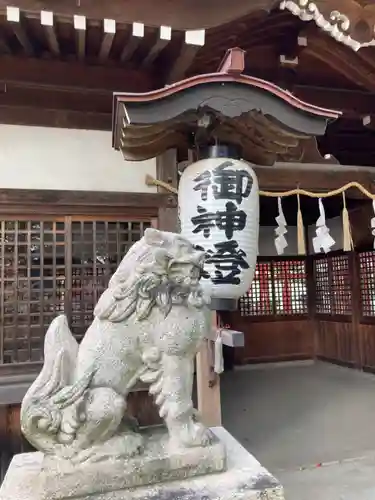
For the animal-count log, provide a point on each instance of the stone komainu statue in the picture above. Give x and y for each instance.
(148, 326)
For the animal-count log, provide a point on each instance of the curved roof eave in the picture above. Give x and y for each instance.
(264, 118)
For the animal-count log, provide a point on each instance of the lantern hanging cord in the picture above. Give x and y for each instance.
(150, 181)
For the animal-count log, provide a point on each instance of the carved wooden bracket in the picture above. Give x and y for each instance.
(347, 21)
(307, 151)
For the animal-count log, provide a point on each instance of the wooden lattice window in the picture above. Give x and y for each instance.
(290, 287)
(279, 288)
(97, 249)
(341, 285)
(323, 302)
(367, 279)
(258, 301)
(333, 295)
(32, 285)
(52, 266)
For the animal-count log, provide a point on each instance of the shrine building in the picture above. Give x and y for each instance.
(103, 108)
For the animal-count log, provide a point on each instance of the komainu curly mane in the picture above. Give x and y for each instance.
(143, 279)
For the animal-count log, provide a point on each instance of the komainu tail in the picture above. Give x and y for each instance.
(54, 390)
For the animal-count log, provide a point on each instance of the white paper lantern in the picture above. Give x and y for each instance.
(219, 212)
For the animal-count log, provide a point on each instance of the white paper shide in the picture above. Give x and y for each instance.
(323, 240)
(281, 230)
(219, 213)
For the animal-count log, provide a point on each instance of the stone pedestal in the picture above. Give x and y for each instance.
(181, 479)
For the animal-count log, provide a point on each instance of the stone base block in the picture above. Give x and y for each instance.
(244, 478)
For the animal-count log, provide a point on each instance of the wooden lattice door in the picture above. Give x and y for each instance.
(55, 265)
(97, 247)
(335, 313)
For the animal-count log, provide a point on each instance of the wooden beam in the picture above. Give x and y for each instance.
(41, 117)
(352, 103)
(30, 201)
(314, 177)
(165, 36)
(80, 27)
(318, 177)
(194, 40)
(26, 94)
(135, 38)
(95, 199)
(46, 20)
(109, 30)
(15, 19)
(73, 75)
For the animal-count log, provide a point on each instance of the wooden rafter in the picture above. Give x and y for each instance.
(4, 49)
(194, 40)
(15, 18)
(350, 22)
(182, 16)
(109, 30)
(165, 36)
(290, 51)
(80, 27)
(135, 38)
(290, 58)
(46, 20)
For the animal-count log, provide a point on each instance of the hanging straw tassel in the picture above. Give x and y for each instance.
(301, 244)
(347, 243)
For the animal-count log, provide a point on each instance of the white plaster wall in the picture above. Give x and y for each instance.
(67, 159)
(267, 241)
(335, 229)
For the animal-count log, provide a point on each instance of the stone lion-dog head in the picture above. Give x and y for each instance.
(161, 269)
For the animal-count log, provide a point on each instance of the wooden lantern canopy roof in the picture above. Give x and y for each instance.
(227, 106)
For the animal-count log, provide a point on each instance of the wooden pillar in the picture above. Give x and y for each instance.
(208, 383)
(311, 305)
(166, 171)
(355, 280)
